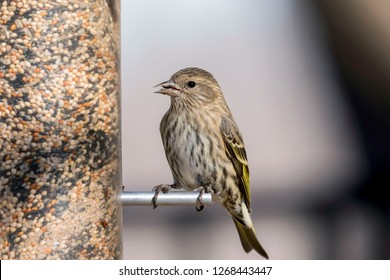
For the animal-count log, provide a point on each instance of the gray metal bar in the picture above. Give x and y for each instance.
(173, 198)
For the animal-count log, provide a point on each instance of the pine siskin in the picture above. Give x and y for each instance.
(205, 150)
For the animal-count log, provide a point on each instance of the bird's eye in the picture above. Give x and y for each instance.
(191, 84)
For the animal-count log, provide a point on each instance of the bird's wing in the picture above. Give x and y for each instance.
(236, 151)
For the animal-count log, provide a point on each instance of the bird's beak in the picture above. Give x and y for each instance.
(169, 88)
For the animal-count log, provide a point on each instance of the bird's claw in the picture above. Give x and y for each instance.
(202, 190)
(157, 190)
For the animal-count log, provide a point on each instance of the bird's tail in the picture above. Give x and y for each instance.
(247, 233)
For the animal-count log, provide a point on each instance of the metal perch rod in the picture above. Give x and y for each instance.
(174, 198)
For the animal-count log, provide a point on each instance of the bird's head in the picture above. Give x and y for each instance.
(192, 85)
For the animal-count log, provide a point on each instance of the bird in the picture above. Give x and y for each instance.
(205, 149)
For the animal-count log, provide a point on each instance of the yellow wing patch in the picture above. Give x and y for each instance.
(236, 151)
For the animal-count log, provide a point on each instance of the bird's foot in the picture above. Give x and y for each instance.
(160, 188)
(202, 190)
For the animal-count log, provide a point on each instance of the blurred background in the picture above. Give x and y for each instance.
(308, 83)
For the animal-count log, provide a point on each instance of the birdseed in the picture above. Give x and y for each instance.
(60, 167)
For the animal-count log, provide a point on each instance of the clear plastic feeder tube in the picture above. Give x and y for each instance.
(60, 163)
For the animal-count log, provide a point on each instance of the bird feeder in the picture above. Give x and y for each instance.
(60, 164)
